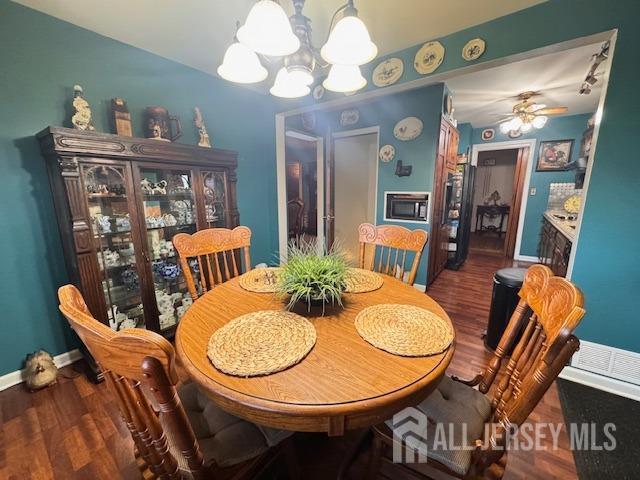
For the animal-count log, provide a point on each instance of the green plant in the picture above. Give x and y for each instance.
(310, 277)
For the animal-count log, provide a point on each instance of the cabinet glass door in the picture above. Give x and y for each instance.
(110, 203)
(169, 208)
(215, 198)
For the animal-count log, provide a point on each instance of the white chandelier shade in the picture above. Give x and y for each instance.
(268, 31)
(300, 76)
(288, 86)
(242, 65)
(344, 78)
(349, 43)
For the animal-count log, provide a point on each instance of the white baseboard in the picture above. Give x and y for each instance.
(527, 258)
(13, 378)
(607, 384)
(419, 286)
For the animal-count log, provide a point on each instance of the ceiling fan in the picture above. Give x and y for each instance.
(527, 115)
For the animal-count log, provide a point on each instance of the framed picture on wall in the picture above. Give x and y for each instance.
(554, 155)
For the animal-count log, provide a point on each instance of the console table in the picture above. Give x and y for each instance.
(491, 211)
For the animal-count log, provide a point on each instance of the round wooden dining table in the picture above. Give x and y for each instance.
(343, 383)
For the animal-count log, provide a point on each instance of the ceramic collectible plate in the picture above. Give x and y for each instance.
(349, 117)
(473, 49)
(387, 72)
(408, 129)
(387, 153)
(429, 57)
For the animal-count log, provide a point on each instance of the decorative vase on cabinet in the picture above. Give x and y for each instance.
(119, 202)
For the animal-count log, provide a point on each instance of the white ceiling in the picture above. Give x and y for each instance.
(197, 32)
(480, 98)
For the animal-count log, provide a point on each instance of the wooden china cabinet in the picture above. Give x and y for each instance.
(119, 202)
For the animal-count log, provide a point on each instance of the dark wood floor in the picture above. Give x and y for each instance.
(487, 243)
(73, 430)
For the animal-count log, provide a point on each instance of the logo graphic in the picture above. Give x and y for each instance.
(410, 436)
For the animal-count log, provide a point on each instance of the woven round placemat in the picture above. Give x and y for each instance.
(261, 280)
(360, 281)
(260, 343)
(404, 330)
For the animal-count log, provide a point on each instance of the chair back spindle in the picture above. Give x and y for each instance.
(550, 309)
(131, 359)
(393, 250)
(213, 256)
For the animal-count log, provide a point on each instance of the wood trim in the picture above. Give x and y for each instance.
(68, 141)
(516, 201)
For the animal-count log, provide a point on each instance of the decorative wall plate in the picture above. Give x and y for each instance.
(488, 134)
(387, 72)
(429, 57)
(447, 104)
(318, 92)
(408, 128)
(387, 153)
(309, 121)
(473, 49)
(349, 117)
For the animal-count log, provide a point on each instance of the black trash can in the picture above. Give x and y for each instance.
(506, 284)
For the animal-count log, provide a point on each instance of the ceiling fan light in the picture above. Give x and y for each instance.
(526, 127)
(349, 43)
(242, 65)
(344, 78)
(540, 121)
(286, 86)
(505, 127)
(268, 31)
(516, 123)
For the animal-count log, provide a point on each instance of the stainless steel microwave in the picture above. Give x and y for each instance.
(406, 206)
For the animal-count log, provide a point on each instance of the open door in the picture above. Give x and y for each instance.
(329, 190)
(516, 200)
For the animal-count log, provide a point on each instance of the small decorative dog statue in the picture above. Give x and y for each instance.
(40, 370)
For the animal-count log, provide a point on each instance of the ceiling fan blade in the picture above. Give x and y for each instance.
(551, 111)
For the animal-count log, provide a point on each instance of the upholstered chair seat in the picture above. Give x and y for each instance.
(462, 411)
(225, 440)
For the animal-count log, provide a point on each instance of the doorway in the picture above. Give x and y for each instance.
(498, 200)
(353, 186)
(492, 200)
(304, 187)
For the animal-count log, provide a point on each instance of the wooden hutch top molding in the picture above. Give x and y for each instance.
(69, 142)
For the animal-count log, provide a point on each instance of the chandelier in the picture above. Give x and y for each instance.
(270, 36)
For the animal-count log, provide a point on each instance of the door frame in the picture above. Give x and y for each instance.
(512, 145)
(342, 134)
(281, 174)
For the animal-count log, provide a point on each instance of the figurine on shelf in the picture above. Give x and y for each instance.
(159, 188)
(156, 133)
(202, 129)
(146, 186)
(81, 120)
(103, 222)
(120, 118)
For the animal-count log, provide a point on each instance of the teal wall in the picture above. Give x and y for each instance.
(424, 103)
(608, 243)
(559, 128)
(466, 137)
(42, 58)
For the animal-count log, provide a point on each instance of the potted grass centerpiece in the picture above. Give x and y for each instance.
(312, 278)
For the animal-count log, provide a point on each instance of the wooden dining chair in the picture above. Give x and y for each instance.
(212, 256)
(549, 310)
(175, 432)
(389, 249)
